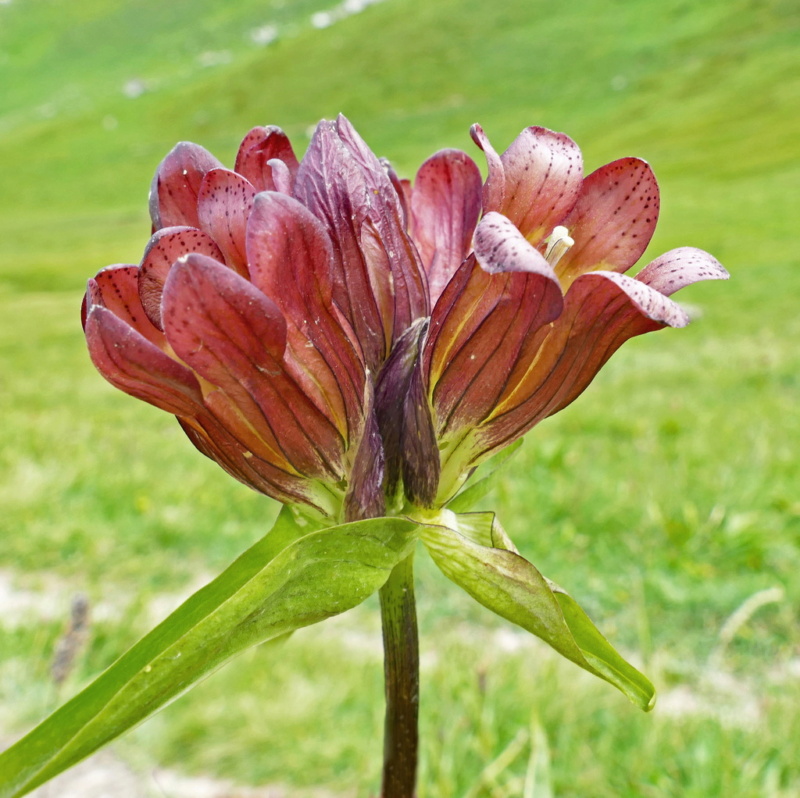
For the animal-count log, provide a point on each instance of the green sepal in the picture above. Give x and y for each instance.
(297, 575)
(473, 551)
(482, 479)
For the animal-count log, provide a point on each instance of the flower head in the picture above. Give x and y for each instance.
(334, 336)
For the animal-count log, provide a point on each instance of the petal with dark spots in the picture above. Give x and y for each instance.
(137, 366)
(164, 248)
(258, 148)
(231, 334)
(224, 203)
(117, 288)
(613, 220)
(681, 267)
(543, 173)
(445, 205)
(173, 193)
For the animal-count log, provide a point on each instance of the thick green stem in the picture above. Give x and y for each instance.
(401, 670)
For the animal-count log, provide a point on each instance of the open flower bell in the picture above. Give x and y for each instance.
(334, 336)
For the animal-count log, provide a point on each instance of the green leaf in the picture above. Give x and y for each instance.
(297, 575)
(473, 552)
(483, 479)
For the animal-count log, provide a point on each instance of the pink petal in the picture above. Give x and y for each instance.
(223, 207)
(494, 190)
(231, 334)
(116, 288)
(173, 193)
(612, 221)
(543, 173)
(681, 267)
(291, 256)
(135, 365)
(445, 205)
(163, 249)
(258, 148)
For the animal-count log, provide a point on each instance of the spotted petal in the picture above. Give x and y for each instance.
(173, 193)
(681, 267)
(258, 148)
(612, 221)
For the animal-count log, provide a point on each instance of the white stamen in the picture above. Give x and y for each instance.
(557, 245)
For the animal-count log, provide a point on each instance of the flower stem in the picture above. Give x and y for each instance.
(401, 671)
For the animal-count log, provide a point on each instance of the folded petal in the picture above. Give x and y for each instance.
(613, 220)
(602, 310)
(233, 336)
(377, 278)
(224, 203)
(291, 258)
(681, 267)
(173, 193)
(164, 248)
(493, 303)
(445, 205)
(494, 189)
(259, 147)
(543, 172)
(116, 288)
(137, 366)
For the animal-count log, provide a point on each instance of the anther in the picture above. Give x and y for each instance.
(558, 243)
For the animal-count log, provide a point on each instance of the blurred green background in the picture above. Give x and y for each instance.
(665, 499)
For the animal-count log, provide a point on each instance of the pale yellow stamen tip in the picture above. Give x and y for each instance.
(558, 243)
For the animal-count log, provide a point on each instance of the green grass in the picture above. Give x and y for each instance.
(663, 499)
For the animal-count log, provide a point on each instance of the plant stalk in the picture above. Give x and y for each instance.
(401, 671)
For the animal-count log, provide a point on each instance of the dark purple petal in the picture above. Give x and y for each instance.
(164, 248)
(404, 419)
(681, 267)
(613, 220)
(445, 205)
(260, 146)
(233, 336)
(137, 366)
(377, 278)
(365, 497)
(173, 193)
(543, 174)
(291, 257)
(223, 207)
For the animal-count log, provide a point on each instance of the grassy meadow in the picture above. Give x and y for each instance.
(666, 499)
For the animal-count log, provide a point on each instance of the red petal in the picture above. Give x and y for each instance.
(445, 205)
(291, 256)
(259, 146)
(233, 336)
(223, 207)
(173, 194)
(681, 267)
(602, 310)
(612, 221)
(135, 365)
(482, 320)
(163, 249)
(543, 172)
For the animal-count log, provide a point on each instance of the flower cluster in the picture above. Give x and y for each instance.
(334, 336)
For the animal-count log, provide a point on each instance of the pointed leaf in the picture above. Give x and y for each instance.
(297, 575)
(511, 587)
(483, 479)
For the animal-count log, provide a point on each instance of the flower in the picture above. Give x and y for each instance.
(336, 337)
